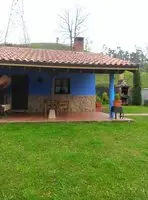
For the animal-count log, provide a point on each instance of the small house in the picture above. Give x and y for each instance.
(38, 75)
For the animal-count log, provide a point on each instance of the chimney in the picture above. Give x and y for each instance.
(78, 44)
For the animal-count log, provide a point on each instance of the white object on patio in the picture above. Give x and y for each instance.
(52, 114)
(6, 107)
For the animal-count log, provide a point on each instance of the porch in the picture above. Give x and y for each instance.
(70, 117)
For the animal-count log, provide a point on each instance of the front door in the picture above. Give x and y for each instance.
(1, 97)
(20, 86)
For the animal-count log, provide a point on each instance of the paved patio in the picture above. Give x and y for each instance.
(71, 117)
(137, 114)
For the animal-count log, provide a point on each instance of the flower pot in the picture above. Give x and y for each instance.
(98, 107)
(117, 103)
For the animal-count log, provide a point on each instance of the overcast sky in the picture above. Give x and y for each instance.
(111, 22)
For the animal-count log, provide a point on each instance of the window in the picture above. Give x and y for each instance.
(62, 86)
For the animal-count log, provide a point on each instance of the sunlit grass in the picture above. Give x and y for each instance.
(74, 161)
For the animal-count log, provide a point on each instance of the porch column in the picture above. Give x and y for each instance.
(111, 92)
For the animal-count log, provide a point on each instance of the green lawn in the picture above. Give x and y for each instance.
(129, 109)
(84, 161)
(136, 109)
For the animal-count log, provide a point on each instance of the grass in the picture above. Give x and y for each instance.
(99, 161)
(129, 109)
(136, 109)
(53, 46)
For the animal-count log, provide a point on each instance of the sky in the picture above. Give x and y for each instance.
(111, 22)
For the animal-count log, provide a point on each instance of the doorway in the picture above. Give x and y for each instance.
(20, 89)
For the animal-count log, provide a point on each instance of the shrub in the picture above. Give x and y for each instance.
(98, 99)
(136, 92)
(117, 96)
(105, 98)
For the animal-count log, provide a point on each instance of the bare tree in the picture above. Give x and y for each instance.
(88, 44)
(72, 26)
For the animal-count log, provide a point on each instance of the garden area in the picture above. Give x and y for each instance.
(103, 79)
(106, 161)
(129, 107)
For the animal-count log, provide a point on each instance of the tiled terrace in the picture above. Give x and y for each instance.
(71, 117)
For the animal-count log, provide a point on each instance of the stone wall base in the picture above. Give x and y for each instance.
(76, 103)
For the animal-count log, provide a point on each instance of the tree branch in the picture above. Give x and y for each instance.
(72, 25)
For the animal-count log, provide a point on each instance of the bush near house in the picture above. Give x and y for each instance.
(105, 98)
(136, 91)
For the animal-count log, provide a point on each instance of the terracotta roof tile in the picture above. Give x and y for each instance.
(49, 57)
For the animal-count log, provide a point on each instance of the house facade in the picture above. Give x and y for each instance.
(30, 88)
(38, 75)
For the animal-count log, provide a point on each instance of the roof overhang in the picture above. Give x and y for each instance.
(70, 68)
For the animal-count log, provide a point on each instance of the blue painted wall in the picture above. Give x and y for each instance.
(37, 88)
(81, 84)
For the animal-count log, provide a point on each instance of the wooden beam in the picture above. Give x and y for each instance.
(72, 67)
(39, 70)
(10, 68)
